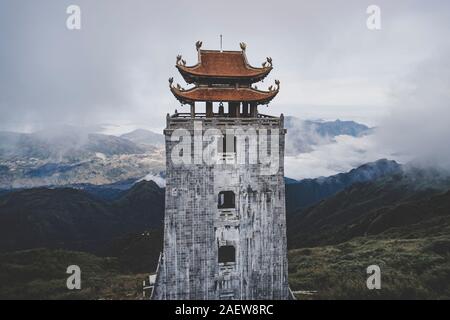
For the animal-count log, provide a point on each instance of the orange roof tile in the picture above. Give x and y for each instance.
(227, 94)
(222, 65)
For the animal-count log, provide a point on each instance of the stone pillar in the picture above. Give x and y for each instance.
(233, 109)
(193, 110)
(245, 111)
(209, 109)
(253, 110)
(237, 112)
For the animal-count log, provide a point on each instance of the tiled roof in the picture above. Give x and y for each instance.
(228, 94)
(222, 65)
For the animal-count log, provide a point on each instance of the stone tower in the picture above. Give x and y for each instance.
(225, 224)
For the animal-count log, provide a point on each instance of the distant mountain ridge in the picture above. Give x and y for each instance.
(394, 204)
(399, 220)
(303, 135)
(71, 155)
(144, 138)
(73, 219)
(129, 207)
(70, 145)
(306, 192)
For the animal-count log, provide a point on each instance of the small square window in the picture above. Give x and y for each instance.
(226, 200)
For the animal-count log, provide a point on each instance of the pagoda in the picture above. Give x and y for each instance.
(225, 221)
(224, 77)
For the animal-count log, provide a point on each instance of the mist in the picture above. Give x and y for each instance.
(113, 72)
(418, 123)
(115, 69)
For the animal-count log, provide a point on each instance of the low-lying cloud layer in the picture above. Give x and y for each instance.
(419, 121)
(416, 130)
(328, 159)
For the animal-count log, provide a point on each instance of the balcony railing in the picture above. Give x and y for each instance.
(186, 118)
(219, 116)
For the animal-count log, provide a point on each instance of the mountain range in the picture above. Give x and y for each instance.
(402, 202)
(303, 135)
(72, 156)
(67, 145)
(399, 222)
(69, 155)
(306, 192)
(89, 192)
(144, 138)
(379, 213)
(74, 219)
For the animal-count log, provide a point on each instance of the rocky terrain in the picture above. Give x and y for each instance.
(73, 157)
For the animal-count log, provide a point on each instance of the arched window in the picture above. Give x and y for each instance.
(226, 200)
(227, 254)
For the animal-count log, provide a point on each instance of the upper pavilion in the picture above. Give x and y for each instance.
(224, 77)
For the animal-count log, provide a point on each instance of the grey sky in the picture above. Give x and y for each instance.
(115, 69)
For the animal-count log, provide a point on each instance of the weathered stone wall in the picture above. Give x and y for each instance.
(195, 227)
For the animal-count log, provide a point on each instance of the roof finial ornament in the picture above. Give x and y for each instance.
(216, 70)
(179, 58)
(277, 82)
(221, 38)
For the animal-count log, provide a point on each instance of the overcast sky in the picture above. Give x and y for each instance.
(115, 69)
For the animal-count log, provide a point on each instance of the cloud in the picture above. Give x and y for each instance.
(115, 69)
(416, 130)
(160, 181)
(343, 155)
(418, 125)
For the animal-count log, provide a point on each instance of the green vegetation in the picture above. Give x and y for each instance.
(400, 223)
(73, 219)
(40, 274)
(410, 269)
